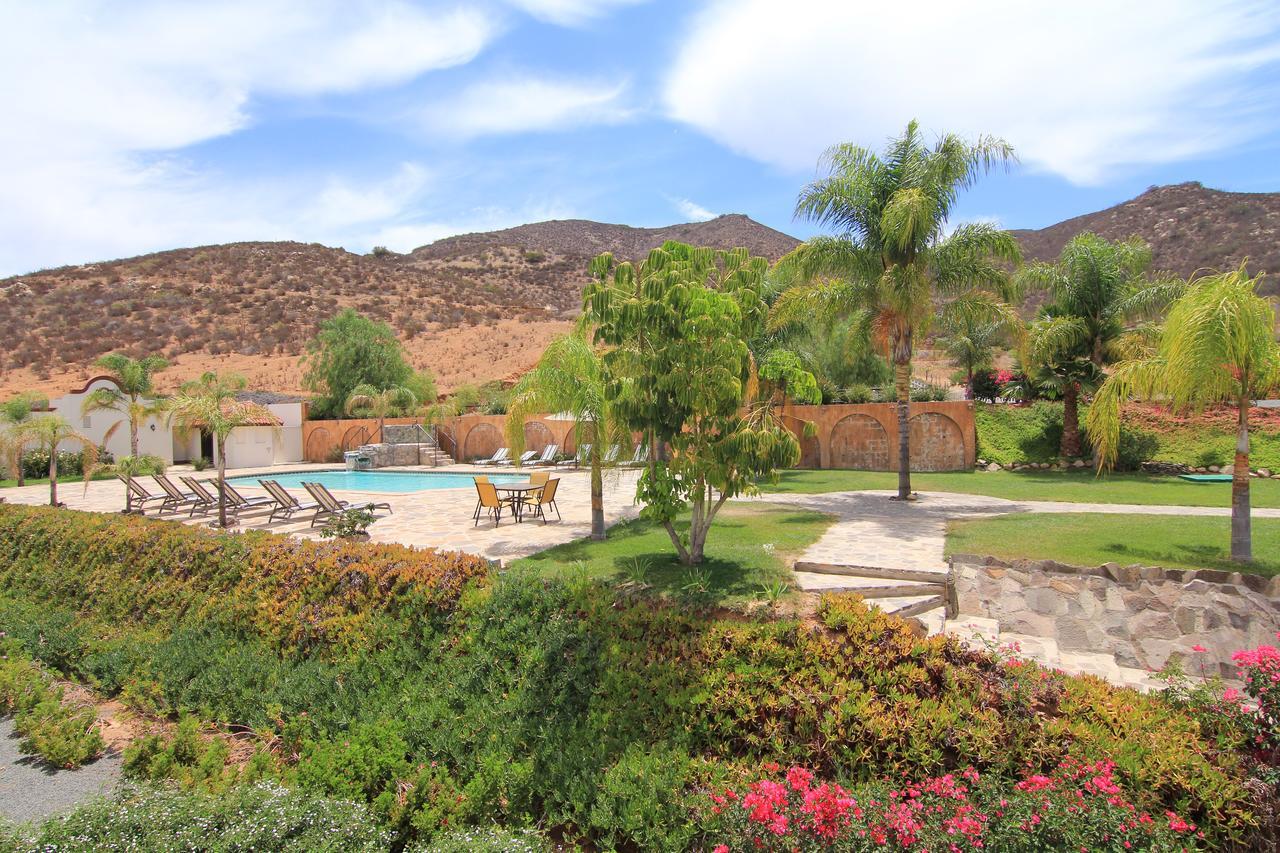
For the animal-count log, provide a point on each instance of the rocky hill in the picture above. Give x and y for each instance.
(1189, 228)
(472, 307)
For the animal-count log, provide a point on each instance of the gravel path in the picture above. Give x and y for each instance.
(31, 790)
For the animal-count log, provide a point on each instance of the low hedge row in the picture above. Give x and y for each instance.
(536, 702)
(159, 574)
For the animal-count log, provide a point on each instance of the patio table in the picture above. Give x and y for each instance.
(518, 490)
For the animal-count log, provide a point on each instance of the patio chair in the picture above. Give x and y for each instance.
(208, 501)
(640, 457)
(238, 503)
(286, 504)
(176, 498)
(479, 478)
(140, 497)
(578, 459)
(546, 500)
(548, 456)
(490, 503)
(502, 453)
(525, 458)
(329, 505)
(611, 455)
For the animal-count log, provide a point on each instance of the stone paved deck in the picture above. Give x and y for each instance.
(439, 518)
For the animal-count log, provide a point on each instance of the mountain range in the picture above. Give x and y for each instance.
(471, 307)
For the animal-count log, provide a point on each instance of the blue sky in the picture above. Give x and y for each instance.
(130, 127)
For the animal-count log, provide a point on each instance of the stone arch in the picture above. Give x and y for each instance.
(859, 441)
(354, 437)
(937, 444)
(482, 441)
(810, 447)
(537, 436)
(319, 444)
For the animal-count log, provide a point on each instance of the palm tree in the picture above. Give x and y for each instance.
(1059, 368)
(1099, 289)
(13, 413)
(569, 378)
(969, 341)
(132, 396)
(893, 252)
(209, 403)
(1217, 346)
(46, 432)
(380, 403)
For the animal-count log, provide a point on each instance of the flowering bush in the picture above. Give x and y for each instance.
(1077, 807)
(1260, 716)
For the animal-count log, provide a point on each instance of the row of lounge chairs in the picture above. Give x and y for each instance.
(502, 457)
(198, 499)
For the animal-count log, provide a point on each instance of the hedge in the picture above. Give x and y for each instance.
(128, 570)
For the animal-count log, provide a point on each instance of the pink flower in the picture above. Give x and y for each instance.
(1198, 648)
(720, 848)
(799, 778)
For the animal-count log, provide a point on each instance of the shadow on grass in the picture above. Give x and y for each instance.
(1200, 556)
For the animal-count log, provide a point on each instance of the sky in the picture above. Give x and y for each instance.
(134, 126)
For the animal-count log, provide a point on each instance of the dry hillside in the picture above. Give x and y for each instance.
(473, 307)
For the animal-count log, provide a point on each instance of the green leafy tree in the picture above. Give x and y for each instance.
(209, 404)
(679, 372)
(1218, 346)
(368, 401)
(569, 378)
(47, 432)
(348, 351)
(970, 341)
(133, 397)
(1100, 289)
(893, 252)
(13, 413)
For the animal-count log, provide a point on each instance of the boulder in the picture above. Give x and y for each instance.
(1264, 472)
(994, 466)
(1227, 469)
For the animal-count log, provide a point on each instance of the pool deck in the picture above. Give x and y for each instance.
(436, 518)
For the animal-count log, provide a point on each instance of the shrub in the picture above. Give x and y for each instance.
(490, 839)
(263, 816)
(857, 394)
(641, 798)
(35, 464)
(986, 386)
(64, 734)
(136, 571)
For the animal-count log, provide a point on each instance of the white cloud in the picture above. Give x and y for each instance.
(100, 95)
(521, 104)
(1080, 89)
(570, 13)
(692, 211)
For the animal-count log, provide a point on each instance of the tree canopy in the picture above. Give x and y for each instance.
(348, 351)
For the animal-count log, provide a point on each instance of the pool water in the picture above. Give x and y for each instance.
(392, 482)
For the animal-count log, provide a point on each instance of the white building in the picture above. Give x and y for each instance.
(275, 439)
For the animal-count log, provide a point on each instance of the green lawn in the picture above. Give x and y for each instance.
(1072, 486)
(62, 481)
(748, 546)
(1091, 539)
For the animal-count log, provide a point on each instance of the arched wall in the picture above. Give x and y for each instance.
(864, 436)
(859, 441)
(936, 443)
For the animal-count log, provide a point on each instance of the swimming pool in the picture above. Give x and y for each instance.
(391, 482)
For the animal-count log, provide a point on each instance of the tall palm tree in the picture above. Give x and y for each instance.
(893, 252)
(381, 403)
(209, 403)
(133, 397)
(1099, 289)
(569, 378)
(47, 432)
(1059, 367)
(1217, 346)
(13, 413)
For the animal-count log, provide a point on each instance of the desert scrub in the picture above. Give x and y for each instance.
(61, 732)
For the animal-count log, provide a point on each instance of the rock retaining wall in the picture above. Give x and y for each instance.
(1142, 615)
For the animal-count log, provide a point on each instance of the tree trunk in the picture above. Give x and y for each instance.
(1241, 534)
(1069, 447)
(902, 382)
(597, 493)
(222, 483)
(53, 476)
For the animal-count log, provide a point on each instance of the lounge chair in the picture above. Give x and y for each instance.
(238, 503)
(329, 505)
(582, 457)
(548, 456)
(525, 458)
(286, 504)
(545, 500)
(140, 497)
(208, 501)
(611, 455)
(501, 455)
(176, 498)
(640, 457)
(490, 503)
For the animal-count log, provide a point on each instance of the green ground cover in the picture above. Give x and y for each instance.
(1091, 539)
(1071, 486)
(70, 480)
(748, 547)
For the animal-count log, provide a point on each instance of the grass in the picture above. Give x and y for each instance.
(1091, 539)
(1070, 486)
(62, 481)
(748, 546)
